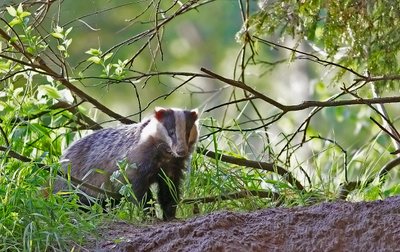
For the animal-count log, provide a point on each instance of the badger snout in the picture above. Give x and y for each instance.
(181, 151)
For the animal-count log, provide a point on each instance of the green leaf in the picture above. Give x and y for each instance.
(68, 31)
(15, 21)
(20, 9)
(18, 91)
(40, 129)
(48, 90)
(24, 14)
(5, 66)
(3, 105)
(94, 59)
(125, 189)
(58, 29)
(57, 35)
(61, 48)
(30, 50)
(115, 176)
(94, 52)
(107, 56)
(67, 42)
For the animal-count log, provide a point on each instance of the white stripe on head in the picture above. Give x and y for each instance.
(181, 148)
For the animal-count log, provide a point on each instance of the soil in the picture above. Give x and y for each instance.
(338, 226)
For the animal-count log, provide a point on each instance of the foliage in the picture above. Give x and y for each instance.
(256, 149)
(362, 35)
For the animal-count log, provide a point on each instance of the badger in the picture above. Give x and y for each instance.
(157, 150)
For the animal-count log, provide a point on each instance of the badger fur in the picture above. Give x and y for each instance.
(157, 146)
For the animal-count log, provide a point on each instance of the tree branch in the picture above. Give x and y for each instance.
(305, 104)
(254, 164)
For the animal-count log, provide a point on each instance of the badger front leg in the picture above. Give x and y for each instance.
(168, 195)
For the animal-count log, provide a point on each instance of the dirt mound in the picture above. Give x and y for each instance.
(339, 226)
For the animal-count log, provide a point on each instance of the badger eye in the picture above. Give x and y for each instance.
(171, 133)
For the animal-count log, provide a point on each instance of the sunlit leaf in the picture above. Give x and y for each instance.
(68, 31)
(61, 48)
(48, 90)
(94, 59)
(12, 11)
(15, 21)
(24, 14)
(95, 52)
(57, 35)
(20, 9)
(107, 56)
(67, 42)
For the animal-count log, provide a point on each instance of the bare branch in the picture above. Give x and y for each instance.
(305, 104)
(254, 164)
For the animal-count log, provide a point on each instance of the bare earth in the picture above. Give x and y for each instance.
(339, 226)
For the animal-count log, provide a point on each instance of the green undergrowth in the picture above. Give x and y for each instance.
(31, 219)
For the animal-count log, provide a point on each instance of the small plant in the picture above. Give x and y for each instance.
(115, 71)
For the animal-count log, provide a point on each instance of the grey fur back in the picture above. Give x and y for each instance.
(94, 157)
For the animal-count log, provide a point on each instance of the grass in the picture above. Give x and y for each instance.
(33, 220)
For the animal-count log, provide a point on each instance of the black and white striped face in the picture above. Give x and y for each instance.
(178, 129)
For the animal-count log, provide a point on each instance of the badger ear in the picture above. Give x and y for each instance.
(194, 113)
(159, 113)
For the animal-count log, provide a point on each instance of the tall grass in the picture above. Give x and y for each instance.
(32, 219)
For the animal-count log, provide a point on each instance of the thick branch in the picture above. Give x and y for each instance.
(305, 104)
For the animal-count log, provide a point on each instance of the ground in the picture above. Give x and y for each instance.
(337, 226)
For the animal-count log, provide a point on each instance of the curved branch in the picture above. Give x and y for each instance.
(346, 188)
(389, 166)
(254, 164)
(304, 104)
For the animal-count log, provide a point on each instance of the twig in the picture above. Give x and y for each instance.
(312, 57)
(341, 148)
(384, 130)
(3, 133)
